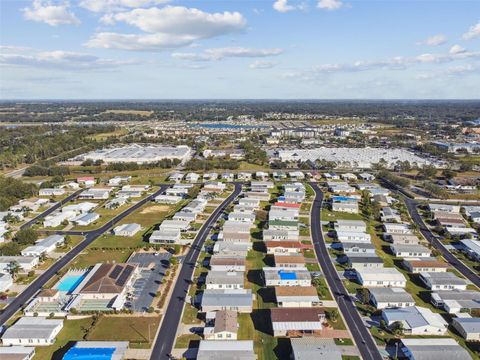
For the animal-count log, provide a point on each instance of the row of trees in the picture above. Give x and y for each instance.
(37, 170)
(13, 190)
(210, 164)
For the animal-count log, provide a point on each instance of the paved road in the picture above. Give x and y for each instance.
(431, 238)
(51, 209)
(92, 235)
(365, 343)
(167, 333)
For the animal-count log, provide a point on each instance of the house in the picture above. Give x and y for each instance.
(444, 208)
(282, 247)
(116, 203)
(210, 176)
(416, 265)
(261, 196)
(225, 280)
(80, 208)
(107, 350)
(174, 225)
(192, 177)
(240, 300)
(17, 352)
(85, 219)
(58, 218)
(51, 192)
(353, 236)
(456, 301)
(280, 235)
(331, 176)
(390, 297)
(366, 177)
(261, 185)
(289, 261)
(347, 207)
(442, 281)
(225, 326)
(348, 176)
(26, 263)
(308, 348)
(350, 225)
(340, 188)
(382, 200)
(434, 348)
(127, 229)
(362, 261)
(119, 180)
(297, 296)
(6, 281)
(296, 175)
(275, 276)
(471, 248)
(178, 192)
(177, 177)
(389, 215)
(32, 331)
(467, 327)
(44, 246)
(410, 250)
(401, 239)
(244, 176)
(218, 263)
(394, 228)
(355, 248)
(294, 322)
(95, 194)
(416, 320)
(224, 248)
(255, 203)
(235, 237)
(383, 277)
(242, 217)
(214, 186)
(86, 181)
(167, 236)
(261, 175)
(293, 197)
(222, 350)
(185, 216)
(282, 213)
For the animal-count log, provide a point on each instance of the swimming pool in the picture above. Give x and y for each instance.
(76, 353)
(69, 282)
(342, 198)
(287, 275)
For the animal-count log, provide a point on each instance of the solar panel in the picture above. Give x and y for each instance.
(115, 272)
(124, 276)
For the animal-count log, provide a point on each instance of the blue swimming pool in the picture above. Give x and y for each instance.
(342, 198)
(69, 282)
(89, 354)
(287, 275)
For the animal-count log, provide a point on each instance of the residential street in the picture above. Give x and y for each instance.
(363, 339)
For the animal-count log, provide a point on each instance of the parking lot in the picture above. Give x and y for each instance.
(152, 271)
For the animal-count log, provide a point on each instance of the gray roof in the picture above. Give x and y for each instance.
(443, 278)
(356, 258)
(32, 328)
(223, 277)
(227, 298)
(226, 350)
(309, 348)
(391, 295)
(436, 349)
(470, 325)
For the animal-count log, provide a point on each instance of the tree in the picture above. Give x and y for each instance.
(26, 236)
(397, 328)
(333, 315)
(448, 174)
(13, 268)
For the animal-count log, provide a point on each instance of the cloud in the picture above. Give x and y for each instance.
(434, 40)
(457, 49)
(104, 6)
(61, 60)
(329, 4)
(166, 28)
(47, 12)
(261, 64)
(473, 32)
(221, 53)
(283, 6)
(395, 63)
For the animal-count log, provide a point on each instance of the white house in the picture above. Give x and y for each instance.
(192, 177)
(51, 192)
(26, 263)
(416, 320)
(350, 225)
(5, 281)
(44, 246)
(225, 280)
(383, 298)
(85, 219)
(119, 180)
(383, 277)
(32, 331)
(395, 228)
(127, 229)
(296, 296)
(275, 276)
(166, 236)
(410, 250)
(442, 281)
(168, 199)
(353, 236)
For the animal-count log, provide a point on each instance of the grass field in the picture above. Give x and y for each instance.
(91, 257)
(73, 330)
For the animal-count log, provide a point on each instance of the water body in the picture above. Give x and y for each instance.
(227, 126)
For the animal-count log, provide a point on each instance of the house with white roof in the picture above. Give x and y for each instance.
(442, 281)
(391, 297)
(416, 320)
(433, 348)
(6, 281)
(410, 250)
(85, 219)
(31, 330)
(350, 225)
(395, 228)
(471, 248)
(26, 263)
(353, 236)
(44, 246)
(383, 277)
(167, 236)
(51, 192)
(192, 177)
(127, 229)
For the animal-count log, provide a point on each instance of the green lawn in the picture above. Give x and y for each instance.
(139, 331)
(73, 330)
(190, 315)
(183, 341)
(91, 257)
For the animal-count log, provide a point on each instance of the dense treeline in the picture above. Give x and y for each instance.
(210, 164)
(254, 154)
(37, 170)
(13, 190)
(163, 164)
(394, 179)
(31, 144)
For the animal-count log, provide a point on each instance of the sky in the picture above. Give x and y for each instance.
(268, 49)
